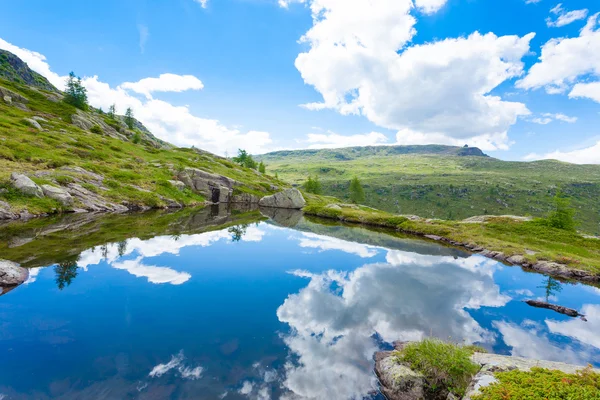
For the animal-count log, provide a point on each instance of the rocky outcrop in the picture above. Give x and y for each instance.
(25, 185)
(10, 97)
(177, 184)
(59, 194)
(398, 382)
(487, 218)
(90, 201)
(245, 198)
(216, 188)
(289, 198)
(282, 217)
(11, 274)
(5, 211)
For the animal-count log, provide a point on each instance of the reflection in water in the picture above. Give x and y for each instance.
(191, 310)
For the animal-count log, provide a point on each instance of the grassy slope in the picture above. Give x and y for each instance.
(124, 164)
(444, 185)
(508, 236)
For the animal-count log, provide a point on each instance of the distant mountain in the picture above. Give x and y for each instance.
(444, 181)
(13, 69)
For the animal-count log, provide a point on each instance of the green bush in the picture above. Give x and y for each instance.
(562, 217)
(445, 365)
(96, 129)
(543, 384)
(313, 185)
(137, 138)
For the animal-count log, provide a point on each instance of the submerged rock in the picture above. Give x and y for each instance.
(289, 198)
(12, 274)
(25, 185)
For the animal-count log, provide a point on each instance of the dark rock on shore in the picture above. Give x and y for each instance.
(11, 275)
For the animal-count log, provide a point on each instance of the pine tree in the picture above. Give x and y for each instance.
(129, 118)
(112, 110)
(262, 168)
(313, 185)
(357, 194)
(75, 92)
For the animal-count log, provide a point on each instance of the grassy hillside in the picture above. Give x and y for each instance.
(445, 182)
(135, 166)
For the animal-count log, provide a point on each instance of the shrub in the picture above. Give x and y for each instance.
(563, 215)
(96, 129)
(137, 138)
(543, 384)
(63, 179)
(445, 365)
(313, 185)
(357, 194)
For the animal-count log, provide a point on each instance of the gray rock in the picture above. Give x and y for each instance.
(398, 382)
(333, 207)
(4, 93)
(5, 212)
(216, 188)
(90, 201)
(82, 122)
(434, 237)
(79, 170)
(58, 194)
(25, 185)
(7, 99)
(39, 119)
(289, 198)
(11, 274)
(33, 123)
(516, 259)
(178, 185)
(486, 218)
(283, 217)
(245, 198)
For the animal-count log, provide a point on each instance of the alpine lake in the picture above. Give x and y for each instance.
(232, 304)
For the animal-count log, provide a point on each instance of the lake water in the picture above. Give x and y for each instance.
(179, 307)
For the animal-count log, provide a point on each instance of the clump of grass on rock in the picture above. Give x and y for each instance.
(446, 366)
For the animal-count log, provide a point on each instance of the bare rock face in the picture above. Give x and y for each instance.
(216, 188)
(58, 194)
(5, 212)
(11, 96)
(25, 185)
(289, 198)
(11, 274)
(91, 201)
(245, 198)
(178, 185)
(398, 382)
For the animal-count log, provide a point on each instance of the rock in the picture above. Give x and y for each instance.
(245, 198)
(25, 185)
(283, 217)
(289, 198)
(82, 122)
(58, 194)
(7, 99)
(434, 237)
(5, 212)
(216, 188)
(559, 309)
(516, 259)
(13, 96)
(486, 218)
(39, 119)
(79, 170)
(177, 184)
(333, 207)
(11, 274)
(91, 201)
(398, 382)
(33, 123)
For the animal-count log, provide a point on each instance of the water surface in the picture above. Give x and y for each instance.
(220, 304)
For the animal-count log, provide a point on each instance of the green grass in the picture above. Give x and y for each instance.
(446, 366)
(124, 164)
(543, 384)
(500, 234)
(434, 182)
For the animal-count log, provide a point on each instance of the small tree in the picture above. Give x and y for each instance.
(129, 118)
(112, 110)
(357, 194)
(244, 159)
(75, 93)
(562, 217)
(137, 138)
(313, 185)
(262, 168)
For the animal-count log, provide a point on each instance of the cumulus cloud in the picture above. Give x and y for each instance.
(435, 92)
(565, 60)
(335, 317)
(584, 332)
(430, 6)
(564, 17)
(587, 155)
(153, 273)
(175, 124)
(546, 118)
(325, 243)
(176, 363)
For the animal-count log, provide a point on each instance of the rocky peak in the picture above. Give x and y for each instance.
(14, 69)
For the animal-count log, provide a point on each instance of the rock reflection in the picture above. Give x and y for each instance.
(337, 316)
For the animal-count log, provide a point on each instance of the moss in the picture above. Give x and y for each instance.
(446, 366)
(543, 384)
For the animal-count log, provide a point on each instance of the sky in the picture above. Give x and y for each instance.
(518, 78)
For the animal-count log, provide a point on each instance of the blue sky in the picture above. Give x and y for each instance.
(516, 78)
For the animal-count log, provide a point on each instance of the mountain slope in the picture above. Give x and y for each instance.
(102, 164)
(437, 182)
(13, 69)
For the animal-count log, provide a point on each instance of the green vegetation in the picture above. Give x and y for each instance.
(543, 384)
(129, 120)
(446, 182)
(244, 159)
(535, 240)
(446, 366)
(76, 93)
(112, 111)
(357, 193)
(134, 172)
(313, 185)
(262, 168)
(562, 216)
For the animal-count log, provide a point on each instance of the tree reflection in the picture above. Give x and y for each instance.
(66, 272)
(122, 248)
(551, 287)
(237, 232)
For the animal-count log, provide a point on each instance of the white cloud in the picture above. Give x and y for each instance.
(565, 17)
(584, 331)
(144, 33)
(587, 90)
(203, 3)
(164, 83)
(564, 60)
(532, 1)
(33, 273)
(435, 92)
(324, 243)
(430, 6)
(333, 140)
(588, 155)
(546, 118)
(176, 362)
(153, 273)
(175, 124)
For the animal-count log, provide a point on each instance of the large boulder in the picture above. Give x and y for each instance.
(33, 123)
(25, 185)
(5, 212)
(216, 188)
(398, 382)
(11, 274)
(289, 198)
(58, 194)
(178, 185)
